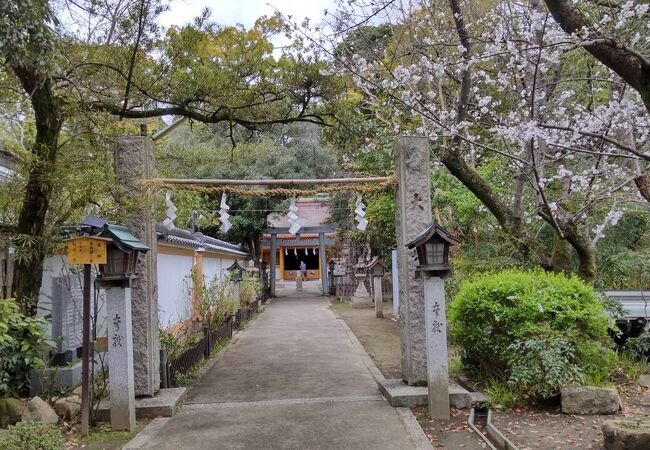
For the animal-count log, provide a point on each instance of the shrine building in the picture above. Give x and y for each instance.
(314, 237)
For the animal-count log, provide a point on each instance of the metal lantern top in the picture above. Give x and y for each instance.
(432, 246)
(376, 267)
(236, 271)
(122, 253)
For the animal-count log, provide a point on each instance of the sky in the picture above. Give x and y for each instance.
(245, 12)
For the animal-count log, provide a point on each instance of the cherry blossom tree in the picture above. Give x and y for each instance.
(533, 90)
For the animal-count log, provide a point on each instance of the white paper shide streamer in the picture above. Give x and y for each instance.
(168, 223)
(293, 218)
(224, 217)
(362, 223)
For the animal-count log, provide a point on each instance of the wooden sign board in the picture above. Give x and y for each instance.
(87, 250)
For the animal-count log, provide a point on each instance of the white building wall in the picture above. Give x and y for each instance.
(174, 288)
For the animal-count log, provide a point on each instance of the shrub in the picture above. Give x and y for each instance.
(21, 342)
(32, 436)
(215, 300)
(250, 289)
(537, 330)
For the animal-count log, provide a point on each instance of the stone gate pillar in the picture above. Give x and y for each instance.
(134, 160)
(413, 214)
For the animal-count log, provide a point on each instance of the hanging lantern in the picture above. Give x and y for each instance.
(306, 252)
(295, 252)
(286, 251)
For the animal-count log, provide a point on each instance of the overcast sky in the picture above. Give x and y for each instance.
(245, 12)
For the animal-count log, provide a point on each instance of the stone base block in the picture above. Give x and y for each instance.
(54, 379)
(400, 394)
(163, 404)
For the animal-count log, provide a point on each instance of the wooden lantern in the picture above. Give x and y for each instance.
(122, 254)
(376, 268)
(432, 247)
(236, 272)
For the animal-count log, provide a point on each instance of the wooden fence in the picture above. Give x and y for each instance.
(190, 357)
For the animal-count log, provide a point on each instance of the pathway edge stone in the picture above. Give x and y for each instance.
(406, 416)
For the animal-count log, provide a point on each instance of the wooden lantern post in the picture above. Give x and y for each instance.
(432, 247)
(377, 269)
(86, 250)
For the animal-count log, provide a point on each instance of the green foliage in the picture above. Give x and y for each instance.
(639, 346)
(32, 436)
(249, 289)
(215, 299)
(624, 253)
(172, 343)
(538, 366)
(536, 330)
(293, 151)
(21, 341)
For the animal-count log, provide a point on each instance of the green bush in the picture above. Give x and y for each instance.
(32, 436)
(250, 289)
(536, 330)
(21, 341)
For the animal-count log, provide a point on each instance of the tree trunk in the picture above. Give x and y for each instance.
(31, 223)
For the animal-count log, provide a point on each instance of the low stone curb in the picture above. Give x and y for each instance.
(146, 434)
(406, 416)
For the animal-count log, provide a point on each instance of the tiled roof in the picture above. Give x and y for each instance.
(185, 238)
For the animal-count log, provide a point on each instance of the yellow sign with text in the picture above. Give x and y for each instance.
(87, 250)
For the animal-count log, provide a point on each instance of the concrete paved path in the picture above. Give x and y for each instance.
(292, 380)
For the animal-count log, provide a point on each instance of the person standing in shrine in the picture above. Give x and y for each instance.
(303, 269)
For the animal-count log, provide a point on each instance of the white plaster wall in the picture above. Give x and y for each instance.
(174, 288)
(216, 265)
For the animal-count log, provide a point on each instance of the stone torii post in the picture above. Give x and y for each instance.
(413, 214)
(134, 160)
